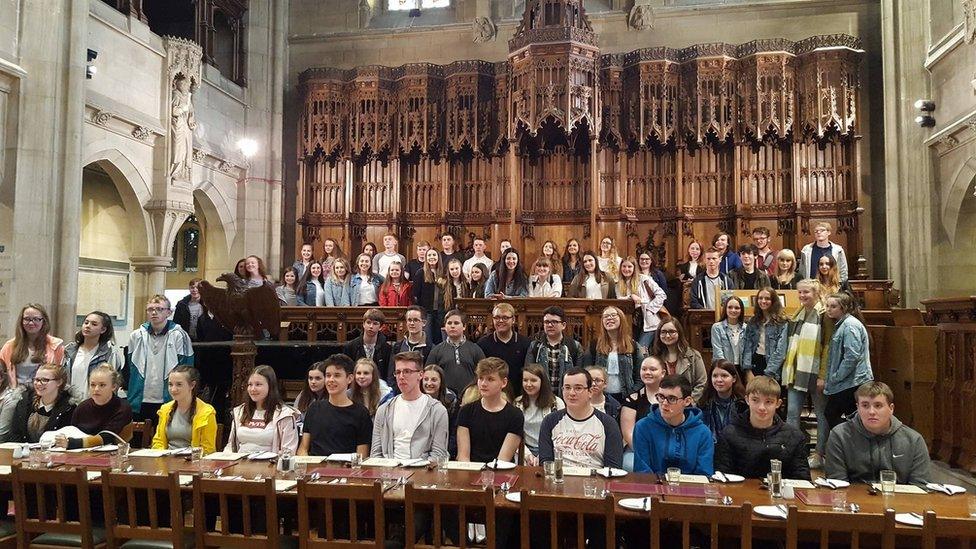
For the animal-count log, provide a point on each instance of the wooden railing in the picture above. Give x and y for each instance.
(341, 324)
(954, 386)
(338, 324)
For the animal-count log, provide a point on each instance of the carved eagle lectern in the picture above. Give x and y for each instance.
(241, 309)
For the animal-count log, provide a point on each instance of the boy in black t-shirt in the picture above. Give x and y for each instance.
(336, 425)
(490, 428)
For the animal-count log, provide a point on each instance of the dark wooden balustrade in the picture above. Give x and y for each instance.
(954, 387)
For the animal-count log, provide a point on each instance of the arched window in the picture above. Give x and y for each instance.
(186, 247)
(403, 5)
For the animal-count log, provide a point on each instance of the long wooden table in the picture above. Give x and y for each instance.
(531, 478)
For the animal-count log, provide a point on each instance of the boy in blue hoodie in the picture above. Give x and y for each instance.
(673, 434)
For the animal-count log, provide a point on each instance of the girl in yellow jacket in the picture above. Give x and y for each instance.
(194, 423)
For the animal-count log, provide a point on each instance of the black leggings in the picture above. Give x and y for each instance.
(839, 405)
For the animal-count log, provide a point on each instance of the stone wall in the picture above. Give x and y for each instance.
(930, 53)
(119, 121)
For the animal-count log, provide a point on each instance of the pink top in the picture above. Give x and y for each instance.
(53, 354)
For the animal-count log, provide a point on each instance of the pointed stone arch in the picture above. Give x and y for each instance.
(954, 194)
(134, 189)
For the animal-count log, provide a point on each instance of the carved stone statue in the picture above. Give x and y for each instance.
(365, 13)
(483, 29)
(641, 17)
(182, 124)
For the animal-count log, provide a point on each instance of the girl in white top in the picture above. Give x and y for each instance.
(311, 290)
(537, 401)
(367, 285)
(263, 423)
(609, 258)
(543, 282)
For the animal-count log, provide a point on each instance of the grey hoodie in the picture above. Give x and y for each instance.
(855, 454)
(429, 439)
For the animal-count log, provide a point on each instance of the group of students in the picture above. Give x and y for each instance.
(49, 386)
(617, 403)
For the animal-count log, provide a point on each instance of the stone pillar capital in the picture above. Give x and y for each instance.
(150, 263)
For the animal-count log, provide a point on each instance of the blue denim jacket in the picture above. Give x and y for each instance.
(376, 280)
(775, 345)
(337, 294)
(722, 348)
(849, 356)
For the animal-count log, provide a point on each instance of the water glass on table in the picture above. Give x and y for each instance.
(591, 487)
(673, 476)
(838, 500)
(356, 461)
(711, 493)
(549, 469)
(441, 463)
(487, 479)
(120, 459)
(888, 481)
(972, 506)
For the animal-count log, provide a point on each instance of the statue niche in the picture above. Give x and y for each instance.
(182, 124)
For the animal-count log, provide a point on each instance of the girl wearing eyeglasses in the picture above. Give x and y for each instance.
(31, 346)
(46, 406)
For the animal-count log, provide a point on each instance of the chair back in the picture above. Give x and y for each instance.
(219, 441)
(142, 434)
(556, 506)
(841, 527)
(325, 498)
(240, 497)
(43, 499)
(143, 507)
(961, 530)
(470, 504)
(696, 514)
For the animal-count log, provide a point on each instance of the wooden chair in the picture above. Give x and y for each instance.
(578, 507)
(127, 496)
(142, 434)
(42, 499)
(848, 526)
(961, 530)
(715, 516)
(219, 441)
(239, 494)
(482, 502)
(327, 497)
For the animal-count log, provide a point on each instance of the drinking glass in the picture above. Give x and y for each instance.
(356, 461)
(711, 493)
(888, 480)
(673, 476)
(775, 478)
(972, 506)
(300, 468)
(557, 475)
(487, 479)
(441, 463)
(549, 468)
(838, 500)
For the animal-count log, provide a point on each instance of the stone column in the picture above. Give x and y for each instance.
(908, 200)
(151, 280)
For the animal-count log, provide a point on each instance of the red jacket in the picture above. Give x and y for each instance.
(391, 298)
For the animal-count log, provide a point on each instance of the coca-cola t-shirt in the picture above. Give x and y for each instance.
(594, 441)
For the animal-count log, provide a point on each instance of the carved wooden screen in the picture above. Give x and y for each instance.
(657, 146)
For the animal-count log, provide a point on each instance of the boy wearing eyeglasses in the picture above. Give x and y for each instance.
(586, 436)
(155, 348)
(507, 344)
(673, 433)
(412, 425)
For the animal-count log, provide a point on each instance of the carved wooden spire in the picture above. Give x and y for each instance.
(555, 69)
